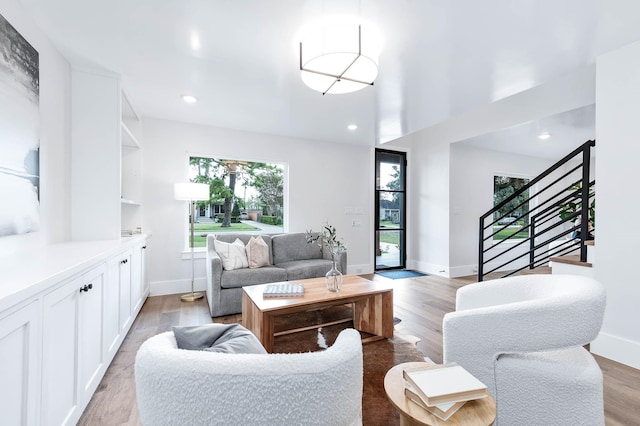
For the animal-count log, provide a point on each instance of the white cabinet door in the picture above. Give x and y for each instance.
(139, 287)
(91, 355)
(136, 278)
(73, 362)
(60, 357)
(20, 367)
(125, 291)
(111, 321)
(145, 280)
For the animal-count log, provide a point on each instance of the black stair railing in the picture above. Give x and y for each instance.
(556, 197)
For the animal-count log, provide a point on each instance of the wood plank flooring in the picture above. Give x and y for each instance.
(420, 303)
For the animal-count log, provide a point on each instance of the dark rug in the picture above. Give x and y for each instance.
(404, 273)
(378, 356)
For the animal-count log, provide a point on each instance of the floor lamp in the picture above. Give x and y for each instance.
(191, 192)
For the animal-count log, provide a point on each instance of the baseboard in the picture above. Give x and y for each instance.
(160, 288)
(360, 269)
(617, 348)
(428, 268)
(463, 271)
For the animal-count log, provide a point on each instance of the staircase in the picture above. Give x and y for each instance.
(555, 221)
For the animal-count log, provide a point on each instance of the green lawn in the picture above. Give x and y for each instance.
(391, 238)
(217, 227)
(507, 232)
(388, 224)
(201, 229)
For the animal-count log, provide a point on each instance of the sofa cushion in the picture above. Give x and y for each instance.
(233, 255)
(302, 269)
(230, 237)
(257, 252)
(242, 277)
(224, 338)
(289, 247)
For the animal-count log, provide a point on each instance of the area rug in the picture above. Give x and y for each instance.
(378, 357)
(404, 273)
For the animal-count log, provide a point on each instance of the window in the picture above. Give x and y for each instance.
(513, 217)
(244, 196)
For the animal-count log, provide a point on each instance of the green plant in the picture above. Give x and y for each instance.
(327, 237)
(571, 207)
(269, 220)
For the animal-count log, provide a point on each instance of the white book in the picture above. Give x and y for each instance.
(440, 384)
(283, 290)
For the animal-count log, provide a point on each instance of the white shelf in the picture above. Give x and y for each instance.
(130, 202)
(128, 139)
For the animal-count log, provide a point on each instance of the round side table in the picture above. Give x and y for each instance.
(477, 412)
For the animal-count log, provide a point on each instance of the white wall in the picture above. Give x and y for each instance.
(54, 136)
(322, 179)
(618, 136)
(429, 166)
(471, 186)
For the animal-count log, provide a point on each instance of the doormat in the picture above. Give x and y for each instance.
(404, 273)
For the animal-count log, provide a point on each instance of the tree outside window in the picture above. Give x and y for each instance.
(513, 216)
(243, 195)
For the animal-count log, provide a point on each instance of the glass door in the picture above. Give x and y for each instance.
(390, 210)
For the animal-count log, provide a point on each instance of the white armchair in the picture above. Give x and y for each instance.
(176, 386)
(522, 336)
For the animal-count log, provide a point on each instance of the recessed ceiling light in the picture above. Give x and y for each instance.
(544, 135)
(352, 127)
(194, 41)
(189, 99)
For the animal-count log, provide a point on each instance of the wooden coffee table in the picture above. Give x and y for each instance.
(372, 306)
(477, 412)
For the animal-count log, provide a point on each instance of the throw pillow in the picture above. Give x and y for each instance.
(257, 252)
(224, 338)
(233, 255)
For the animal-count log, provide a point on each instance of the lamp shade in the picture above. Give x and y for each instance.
(191, 191)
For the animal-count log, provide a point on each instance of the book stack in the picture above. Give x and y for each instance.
(283, 290)
(442, 389)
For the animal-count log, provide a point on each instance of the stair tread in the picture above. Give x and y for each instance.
(539, 270)
(571, 259)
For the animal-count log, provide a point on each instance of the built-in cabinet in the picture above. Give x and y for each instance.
(57, 342)
(131, 166)
(106, 171)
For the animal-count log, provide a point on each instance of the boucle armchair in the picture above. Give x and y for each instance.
(185, 387)
(522, 336)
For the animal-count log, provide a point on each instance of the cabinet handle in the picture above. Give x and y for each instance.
(124, 261)
(86, 287)
(144, 247)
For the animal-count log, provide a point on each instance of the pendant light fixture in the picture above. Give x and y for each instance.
(339, 58)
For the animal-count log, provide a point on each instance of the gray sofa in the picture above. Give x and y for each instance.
(291, 258)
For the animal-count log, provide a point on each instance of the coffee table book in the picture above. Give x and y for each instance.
(441, 411)
(283, 290)
(440, 384)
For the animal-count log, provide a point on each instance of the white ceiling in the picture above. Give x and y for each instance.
(440, 58)
(568, 130)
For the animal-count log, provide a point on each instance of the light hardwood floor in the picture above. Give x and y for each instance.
(419, 302)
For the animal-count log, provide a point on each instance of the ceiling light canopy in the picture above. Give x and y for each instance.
(340, 57)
